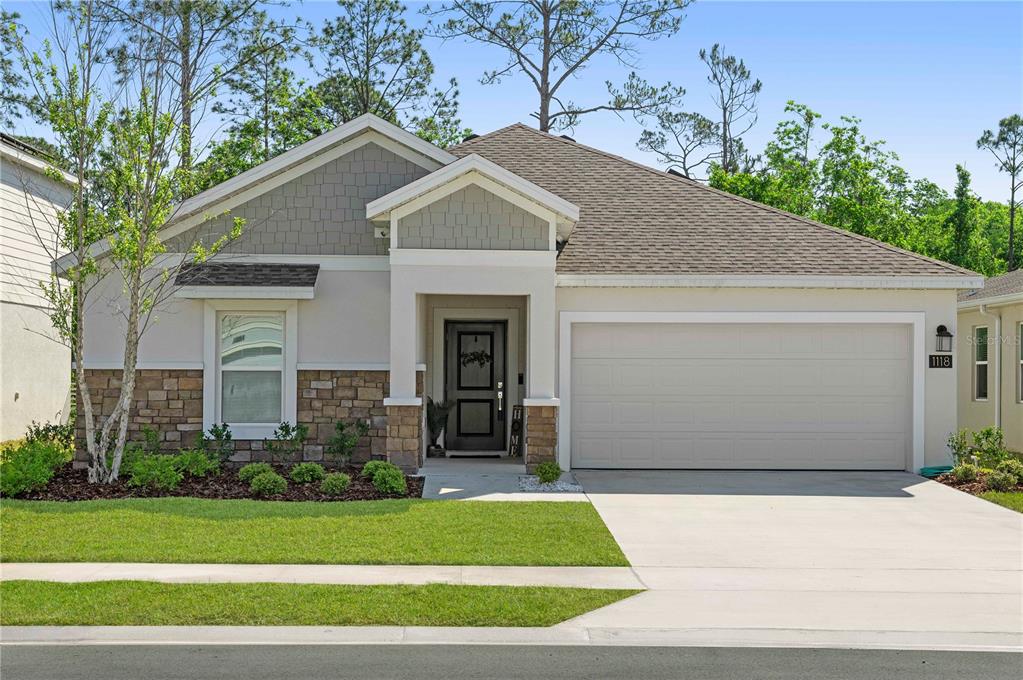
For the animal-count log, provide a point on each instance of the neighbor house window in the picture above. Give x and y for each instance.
(980, 353)
(251, 361)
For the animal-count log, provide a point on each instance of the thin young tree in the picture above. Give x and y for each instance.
(735, 93)
(684, 141)
(552, 42)
(1006, 145)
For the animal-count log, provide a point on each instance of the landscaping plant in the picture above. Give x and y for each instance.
(197, 463)
(304, 473)
(252, 470)
(437, 418)
(964, 473)
(217, 440)
(390, 480)
(1012, 466)
(548, 472)
(155, 471)
(999, 481)
(29, 466)
(268, 484)
(370, 469)
(287, 442)
(342, 443)
(959, 445)
(61, 436)
(989, 447)
(335, 484)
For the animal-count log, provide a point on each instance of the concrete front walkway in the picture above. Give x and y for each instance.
(482, 479)
(866, 556)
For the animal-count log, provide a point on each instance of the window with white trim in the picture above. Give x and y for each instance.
(980, 363)
(250, 363)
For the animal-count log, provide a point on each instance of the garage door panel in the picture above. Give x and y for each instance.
(797, 396)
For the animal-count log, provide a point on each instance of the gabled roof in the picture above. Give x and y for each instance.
(635, 220)
(1005, 288)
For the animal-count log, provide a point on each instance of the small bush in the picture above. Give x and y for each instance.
(217, 440)
(287, 442)
(989, 447)
(197, 463)
(959, 445)
(268, 484)
(999, 481)
(390, 480)
(1013, 467)
(252, 470)
(371, 468)
(965, 473)
(303, 473)
(346, 437)
(63, 436)
(548, 472)
(155, 471)
(29, 466)
(335, 484)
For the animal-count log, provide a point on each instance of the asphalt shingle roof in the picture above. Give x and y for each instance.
(239, 274)
(638, 220)
(996, 286)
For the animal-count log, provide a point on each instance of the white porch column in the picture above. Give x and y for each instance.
(403, 341)
(540, 349)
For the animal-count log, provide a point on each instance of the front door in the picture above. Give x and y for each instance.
(474, 381)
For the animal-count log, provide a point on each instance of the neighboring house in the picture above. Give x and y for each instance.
(35, 368)
(640, 319)
(991, 357)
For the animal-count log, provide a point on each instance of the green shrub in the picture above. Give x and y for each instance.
(959, 445)
(63, 436)
(390, 480)
(999, 481)
(155, 471)
(287, 442)
(29, 466)
(548, 472)
(989, 447)
(152, 440)
(303, 473)
(335, 484)
(268, 484)
(342, 443)
(197, 463)
(217, 440)
(1013, 467)
(250, 471)
(965, 473)
(371, 468)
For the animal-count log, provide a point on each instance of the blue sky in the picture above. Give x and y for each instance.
(927, 77)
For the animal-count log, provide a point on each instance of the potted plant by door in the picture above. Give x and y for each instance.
(436, 421)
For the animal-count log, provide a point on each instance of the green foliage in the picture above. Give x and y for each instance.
(999, 481)
(335, 484)
(268, 484)
(197, 463)
(155, 471)
(287, 441)
(1007, 148)
(342, 443)
(151, 440)
(548, 472)
(304, 473)
(372, 467)
(959, 445)
(989, 447)
(1012, 466)
(218, 441)
(250, 471)
(61, 436)
(29, 466)
(964, 473)
(390, 480)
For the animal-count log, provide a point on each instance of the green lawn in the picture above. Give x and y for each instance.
(140, 603)
(1009, 499)
(261, 532)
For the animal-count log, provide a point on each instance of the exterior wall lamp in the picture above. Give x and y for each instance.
(944, 340)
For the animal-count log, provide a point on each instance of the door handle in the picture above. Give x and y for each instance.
(500, 397)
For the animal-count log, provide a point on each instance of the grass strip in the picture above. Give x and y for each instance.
(1007, 499)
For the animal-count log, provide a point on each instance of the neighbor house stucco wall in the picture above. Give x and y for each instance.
(938, 306)
(475, 219)
(322, 212)
(977, 414)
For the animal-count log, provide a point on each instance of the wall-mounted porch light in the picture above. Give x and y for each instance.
(944, 340)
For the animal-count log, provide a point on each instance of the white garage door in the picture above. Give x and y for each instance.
(741, 396)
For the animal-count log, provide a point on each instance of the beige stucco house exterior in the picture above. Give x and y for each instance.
(625, 317)
(35, 368)
(991, 357)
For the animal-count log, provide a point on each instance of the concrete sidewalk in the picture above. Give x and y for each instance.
(346, 574)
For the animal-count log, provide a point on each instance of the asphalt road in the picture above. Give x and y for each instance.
(448, 662)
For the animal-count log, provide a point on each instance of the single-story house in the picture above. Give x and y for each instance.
(991, 357)
(35, 366)
(626, 317)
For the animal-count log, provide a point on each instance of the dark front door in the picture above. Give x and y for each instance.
(474, 381)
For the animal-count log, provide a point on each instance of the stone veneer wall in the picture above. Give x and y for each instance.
(541, 435)
(405, 436)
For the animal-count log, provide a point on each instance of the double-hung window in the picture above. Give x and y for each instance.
(251, 368)
(980, 363)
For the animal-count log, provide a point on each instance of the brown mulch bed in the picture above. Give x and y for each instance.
(975, 488)
(69, 484)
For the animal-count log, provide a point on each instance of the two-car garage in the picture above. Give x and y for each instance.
(739, 395)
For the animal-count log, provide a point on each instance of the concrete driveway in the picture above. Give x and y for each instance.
(844, 558)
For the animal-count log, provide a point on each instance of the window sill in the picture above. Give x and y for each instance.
(248, 431)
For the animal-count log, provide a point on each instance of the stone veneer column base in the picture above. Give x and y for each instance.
(404, 436)
(541, 435)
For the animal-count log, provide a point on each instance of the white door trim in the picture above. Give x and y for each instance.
(567, 319)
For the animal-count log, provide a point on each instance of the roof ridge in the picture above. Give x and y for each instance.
(693, 183)
(477, 138)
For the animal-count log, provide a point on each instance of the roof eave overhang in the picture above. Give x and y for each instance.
(953, 282)
(993, 301)
(246, 292)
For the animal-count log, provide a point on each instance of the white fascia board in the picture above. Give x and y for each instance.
(993, 301)
(730, 281)
(379, 208)
(32, 162)
(245, 292)
(440, 257)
